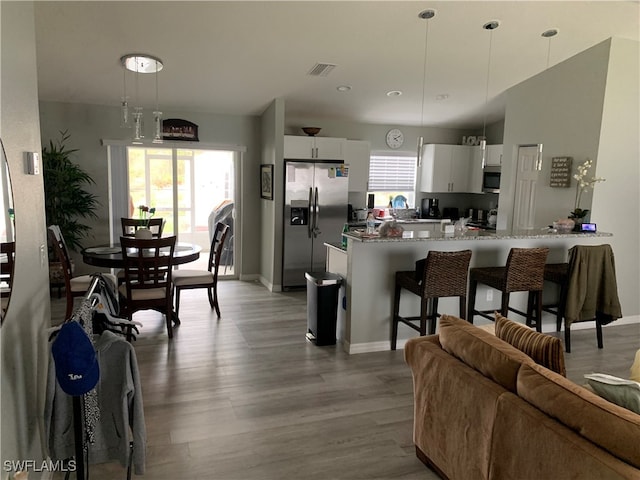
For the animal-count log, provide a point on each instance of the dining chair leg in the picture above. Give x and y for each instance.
(167, 317)
(599, 333)
(504, 309)
(177, 301)
(463, 307)
(567, 337)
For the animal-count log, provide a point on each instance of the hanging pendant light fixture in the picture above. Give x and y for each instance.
(552, 32)
(425, 15)
(142, 63)
(490, 26)
(125, 122)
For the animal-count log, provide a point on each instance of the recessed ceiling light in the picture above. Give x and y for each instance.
(427, 14)
(442, 96)
(492, 25)
(343, 88)
(394, 93)
(552, 32)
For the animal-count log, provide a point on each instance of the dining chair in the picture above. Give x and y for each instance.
(75, 286)
(147, 277)
(7, 250)
(187, 279)
(131, 225)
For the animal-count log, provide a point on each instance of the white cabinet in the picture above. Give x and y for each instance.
(446, 168)
(357, 156)
(317, 148)
(494, 156)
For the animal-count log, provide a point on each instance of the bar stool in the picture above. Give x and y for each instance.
(524, 272)
(441, 274)
(588, 289)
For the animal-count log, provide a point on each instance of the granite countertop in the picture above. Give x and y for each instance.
(416, 236)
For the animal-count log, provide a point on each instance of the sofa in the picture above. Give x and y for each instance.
(483, 409)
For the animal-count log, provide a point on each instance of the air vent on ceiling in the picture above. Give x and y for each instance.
(321, 69)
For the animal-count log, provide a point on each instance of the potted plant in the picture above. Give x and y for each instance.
(579, 215)
(66, 200)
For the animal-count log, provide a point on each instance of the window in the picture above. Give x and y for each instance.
(390, 176)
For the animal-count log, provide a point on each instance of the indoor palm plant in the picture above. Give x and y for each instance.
(66, 200)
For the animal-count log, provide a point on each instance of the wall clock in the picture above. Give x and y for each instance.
(395, 138)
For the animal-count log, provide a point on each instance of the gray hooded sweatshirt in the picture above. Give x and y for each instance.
(121, 418)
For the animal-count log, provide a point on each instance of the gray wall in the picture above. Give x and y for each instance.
(24, 351)
(585, 107)
(89, 124)
(616, 202)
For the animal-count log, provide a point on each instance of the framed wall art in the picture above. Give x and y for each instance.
(266, 181)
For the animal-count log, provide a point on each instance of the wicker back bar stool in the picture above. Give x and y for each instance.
(524, 272)
(441, 274)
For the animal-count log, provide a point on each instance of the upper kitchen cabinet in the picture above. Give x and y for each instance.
(494, 156)
(446, 168)
(316, 148)
(357, 156)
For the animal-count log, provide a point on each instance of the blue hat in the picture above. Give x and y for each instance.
(75, 358)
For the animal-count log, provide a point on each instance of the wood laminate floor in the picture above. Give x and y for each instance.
(247, 397)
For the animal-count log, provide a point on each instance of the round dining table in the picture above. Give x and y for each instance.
(110, 256)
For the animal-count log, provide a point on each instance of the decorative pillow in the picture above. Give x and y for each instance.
(635, 368)
(625, 393)
(544, 349)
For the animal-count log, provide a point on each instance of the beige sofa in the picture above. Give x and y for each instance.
(485, 410)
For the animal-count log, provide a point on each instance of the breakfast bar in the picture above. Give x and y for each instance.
(369, 262)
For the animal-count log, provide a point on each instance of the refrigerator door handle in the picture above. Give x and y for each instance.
(316, 216)
(311, 213)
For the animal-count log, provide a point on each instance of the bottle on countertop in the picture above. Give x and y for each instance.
(345, 229)
(371, 224)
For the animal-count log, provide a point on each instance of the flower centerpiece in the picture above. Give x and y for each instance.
(584, 183)
(145, 214)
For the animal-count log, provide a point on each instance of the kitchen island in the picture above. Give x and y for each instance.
(369, 264)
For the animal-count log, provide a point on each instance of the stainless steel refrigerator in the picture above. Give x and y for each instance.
(315, 211)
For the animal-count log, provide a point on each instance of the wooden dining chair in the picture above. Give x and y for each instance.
(74, 286)
(147, 277)
(184, 279)
(7, 251)
(131, 225)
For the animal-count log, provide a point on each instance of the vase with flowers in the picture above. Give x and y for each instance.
(145, 213)
(579, 215)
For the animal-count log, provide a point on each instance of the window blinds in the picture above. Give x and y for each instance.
(392, 173)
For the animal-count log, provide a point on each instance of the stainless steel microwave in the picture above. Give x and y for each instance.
(491, 181)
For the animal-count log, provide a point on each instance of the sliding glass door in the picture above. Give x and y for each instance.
(190, 189)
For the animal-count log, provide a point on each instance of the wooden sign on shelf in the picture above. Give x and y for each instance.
(560, 172)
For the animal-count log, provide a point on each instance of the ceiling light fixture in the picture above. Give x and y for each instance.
(141, 63)
(343, 88)
(490, 26)
(394, 93)
(425, 15)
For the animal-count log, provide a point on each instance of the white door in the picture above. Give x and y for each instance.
(526, 181)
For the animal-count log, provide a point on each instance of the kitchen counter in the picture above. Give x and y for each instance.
(369, 264)
(416, 236)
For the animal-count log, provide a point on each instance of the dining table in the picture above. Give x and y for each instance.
(110, 256)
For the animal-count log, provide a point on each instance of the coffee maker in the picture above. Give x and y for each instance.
(429, 208)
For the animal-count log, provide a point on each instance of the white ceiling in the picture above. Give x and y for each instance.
(235, 57)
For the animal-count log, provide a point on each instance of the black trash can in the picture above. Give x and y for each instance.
(322, 306)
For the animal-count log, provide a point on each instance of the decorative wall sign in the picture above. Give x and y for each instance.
(472, 140)
(266, 181)
(177, 129)
(560, 172)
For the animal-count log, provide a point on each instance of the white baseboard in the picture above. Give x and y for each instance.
(386, 345)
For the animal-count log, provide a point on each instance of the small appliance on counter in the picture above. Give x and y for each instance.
(429, 208)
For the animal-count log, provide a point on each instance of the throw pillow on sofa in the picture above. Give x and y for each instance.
(625, 393)
(544, 349)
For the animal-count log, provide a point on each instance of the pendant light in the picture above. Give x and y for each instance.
(141, 64)
(490, 26)
(157, 116)
(552, 32)
(425, 15)
(125, 122)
